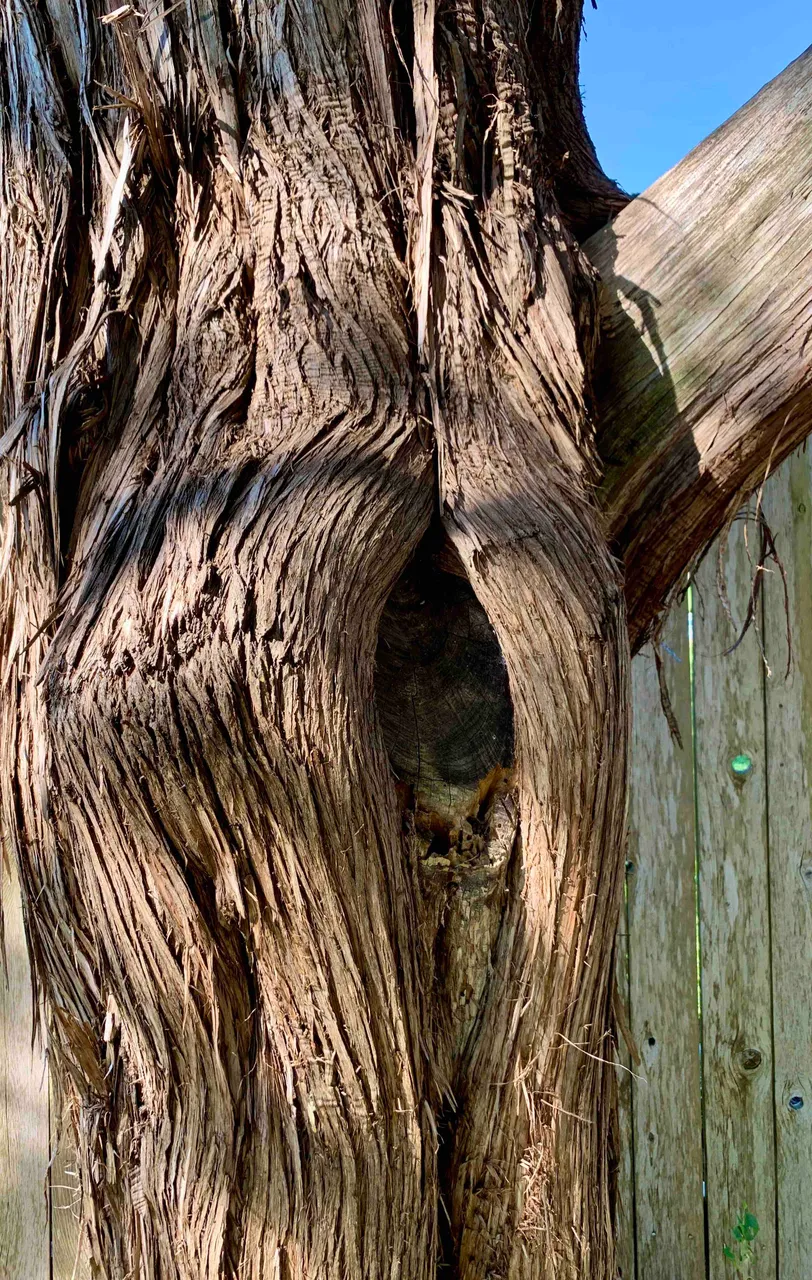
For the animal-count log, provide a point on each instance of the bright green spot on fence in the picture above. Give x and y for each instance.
(741, 765)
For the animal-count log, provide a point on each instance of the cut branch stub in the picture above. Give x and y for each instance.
(705, 379)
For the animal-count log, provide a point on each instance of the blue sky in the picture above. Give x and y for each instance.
(659, 75)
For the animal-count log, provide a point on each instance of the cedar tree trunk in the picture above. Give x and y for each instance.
(297, 363)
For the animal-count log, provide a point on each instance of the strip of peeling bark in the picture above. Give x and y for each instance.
(530, 1176)
(705, 379)
(586, 196)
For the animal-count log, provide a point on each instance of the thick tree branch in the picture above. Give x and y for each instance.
(587, 197)
(704, 380)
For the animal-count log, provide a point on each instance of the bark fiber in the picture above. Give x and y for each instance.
(292, 297)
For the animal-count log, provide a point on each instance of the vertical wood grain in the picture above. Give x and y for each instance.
(734, 912)
(788, 507)
(24, 1237)
(69, 1251)
(662, 969)
(625, 1205)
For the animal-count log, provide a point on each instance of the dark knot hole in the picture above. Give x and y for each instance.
(441, 688)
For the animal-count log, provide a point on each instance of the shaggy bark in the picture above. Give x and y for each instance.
(283, 284)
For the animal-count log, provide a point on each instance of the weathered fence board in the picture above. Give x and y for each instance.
(39, 1197)
(24, 1234)
(663, 1011)
(625, 1206)
(733, 908)
(69, 1254)
(788, 507)
(753, 769)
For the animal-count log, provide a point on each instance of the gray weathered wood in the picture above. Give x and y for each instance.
(70, 1255)
(734, 913)
(24, 1244)
(788, 505)
(662, 966)
(624, 1227)
(707, 306)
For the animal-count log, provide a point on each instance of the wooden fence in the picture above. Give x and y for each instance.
(716, 944)
(716, 950)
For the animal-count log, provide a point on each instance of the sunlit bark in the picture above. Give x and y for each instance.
(292, 297)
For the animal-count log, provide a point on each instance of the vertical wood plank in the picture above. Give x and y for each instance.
(663, 974)
(625, 1206)
(24, 1238)
(69, 1250)
(734, 912)
(788, 507)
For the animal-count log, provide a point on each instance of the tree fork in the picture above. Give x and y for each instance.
(282, 285)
